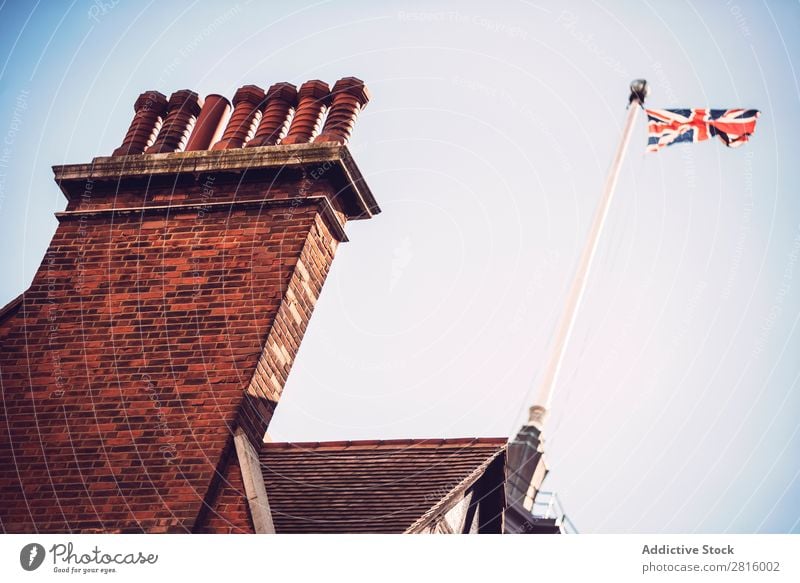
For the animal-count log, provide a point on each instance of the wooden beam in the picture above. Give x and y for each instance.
(254, 487)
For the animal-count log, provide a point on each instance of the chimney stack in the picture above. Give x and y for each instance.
(167, 314)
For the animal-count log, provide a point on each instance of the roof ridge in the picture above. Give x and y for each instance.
(424, 442)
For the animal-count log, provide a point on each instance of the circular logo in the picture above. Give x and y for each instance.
(31, 556)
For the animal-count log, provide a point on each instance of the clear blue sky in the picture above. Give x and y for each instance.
(486, 144)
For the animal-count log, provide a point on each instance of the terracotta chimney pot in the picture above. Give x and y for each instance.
(210, 123)
(150, 108)
(247, 105)
(350, 96)
(183, 106)
(280, 101)
(313, 99)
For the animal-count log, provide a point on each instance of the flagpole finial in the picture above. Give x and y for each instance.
(639, 91)
(537, 416)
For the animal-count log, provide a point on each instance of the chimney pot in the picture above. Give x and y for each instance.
(247, 105)
(210, 123)
(280, 101)
(150, 108)
(183, 106)
(349, 97)
(315, 89)
(313, 99)
(352, 86)
(283, 91)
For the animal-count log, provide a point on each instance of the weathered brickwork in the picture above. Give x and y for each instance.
(275, 362)
(144, 338)
(292, 319)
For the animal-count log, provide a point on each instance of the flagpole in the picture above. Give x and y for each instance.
(539, 411)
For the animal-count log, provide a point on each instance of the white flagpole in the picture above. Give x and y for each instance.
(539, 411)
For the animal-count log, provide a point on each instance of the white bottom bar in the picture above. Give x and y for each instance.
(353, 558)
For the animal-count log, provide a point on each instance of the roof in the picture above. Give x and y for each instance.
(369, 486)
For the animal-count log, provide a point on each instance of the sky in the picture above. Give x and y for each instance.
(486, 143)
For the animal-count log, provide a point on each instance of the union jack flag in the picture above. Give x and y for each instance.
(671, 126)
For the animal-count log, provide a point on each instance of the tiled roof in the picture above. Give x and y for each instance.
(368, 486)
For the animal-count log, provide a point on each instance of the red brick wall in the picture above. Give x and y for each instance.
(276, 361)
(124, 371)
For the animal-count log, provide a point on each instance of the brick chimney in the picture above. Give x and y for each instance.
(167, 313)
